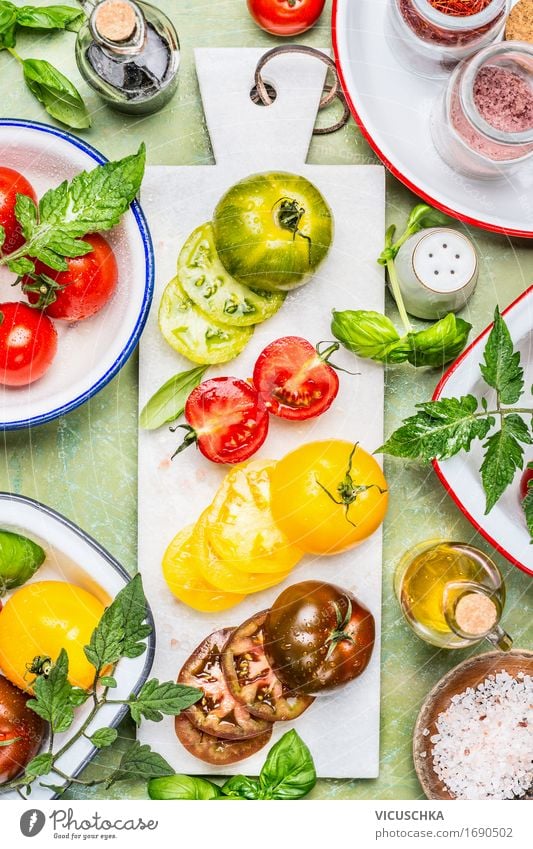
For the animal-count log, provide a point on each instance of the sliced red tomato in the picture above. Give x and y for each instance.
(217, 713)
(294, 380)
(252, 680)
(286, 17)
(28, 344)
(527, 476)
(227, 419)
(83, 289)
(12, 183)
(213, 750)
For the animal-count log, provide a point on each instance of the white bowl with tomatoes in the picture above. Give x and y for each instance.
(52, 360)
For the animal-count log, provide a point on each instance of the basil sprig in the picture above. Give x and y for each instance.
(287, 774)
(58, 94)
(372, 335)
(440, 429)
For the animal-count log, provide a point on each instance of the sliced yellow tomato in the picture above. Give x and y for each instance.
(222, 573)
(240, 526)
(181, 571)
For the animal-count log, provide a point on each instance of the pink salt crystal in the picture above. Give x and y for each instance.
(504, 99)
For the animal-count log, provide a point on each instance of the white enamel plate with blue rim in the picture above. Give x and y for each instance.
(90, 352)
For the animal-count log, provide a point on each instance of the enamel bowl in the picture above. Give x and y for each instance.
(93, 351)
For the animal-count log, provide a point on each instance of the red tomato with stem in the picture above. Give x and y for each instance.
(28, 344)
(227, 419)
(286, 17)
(86, 287)
(294, 380)
(12, 183)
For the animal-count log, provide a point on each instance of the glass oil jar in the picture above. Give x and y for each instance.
(452, 595)
(483, 124)
(129, 53)
(430, 42)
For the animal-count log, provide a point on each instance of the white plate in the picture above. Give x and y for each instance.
(504, 527)
(73, 556)
(90, 352)
(392, 107)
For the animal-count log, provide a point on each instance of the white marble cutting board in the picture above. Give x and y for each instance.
(342, 730)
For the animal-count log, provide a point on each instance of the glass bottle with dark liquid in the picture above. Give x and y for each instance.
(129, 53)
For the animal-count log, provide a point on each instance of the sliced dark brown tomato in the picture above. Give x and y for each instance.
(213, 750)
(252, 680)
(218, 713)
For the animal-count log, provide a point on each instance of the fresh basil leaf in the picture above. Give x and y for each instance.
(59, 96)
(168, 403)
(501, 368)
(182, 787)
(155, 700)
(40, 765)
(364, 332)
(104, 737)
(503, 456)
(139, 761)
(8, 23)
(53, 695)
(50, 17)
(388, 253)
(132, 601)
(439, 430)
(26, 215)
(439, 344)
(289, 771)
(241, 787)
(423, 216)
(105, 647)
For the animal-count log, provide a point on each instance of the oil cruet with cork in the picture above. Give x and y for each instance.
(129, 53)
(452, 595)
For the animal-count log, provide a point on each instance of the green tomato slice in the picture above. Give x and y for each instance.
(214, 291)
(193, 334)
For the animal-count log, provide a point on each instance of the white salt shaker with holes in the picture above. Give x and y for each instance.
(437, 271)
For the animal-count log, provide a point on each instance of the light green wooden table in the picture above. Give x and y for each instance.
(84, 464)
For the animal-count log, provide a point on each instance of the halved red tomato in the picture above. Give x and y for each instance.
(213, 750)
(227, 419)
(217, 713)
(294, 380)
(252, 680)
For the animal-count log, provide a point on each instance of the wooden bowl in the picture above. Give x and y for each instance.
(470, 673)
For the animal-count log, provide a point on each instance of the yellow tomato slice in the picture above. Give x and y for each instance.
(185, 581)
(222, 573)
(240, 526)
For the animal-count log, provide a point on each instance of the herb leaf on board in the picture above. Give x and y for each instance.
(289, 771)
(183, 787)
(241, 787)
(168, 403)
(59, 96)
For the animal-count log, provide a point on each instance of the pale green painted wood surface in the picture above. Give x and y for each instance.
(84, 464)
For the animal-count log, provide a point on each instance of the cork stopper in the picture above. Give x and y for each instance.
(476, 614)
(115, 20)
(519, 25)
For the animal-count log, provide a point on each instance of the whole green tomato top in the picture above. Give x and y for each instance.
(20, 558)
(273, 230)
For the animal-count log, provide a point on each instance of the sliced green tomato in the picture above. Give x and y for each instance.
(191, 333)
(214, 291)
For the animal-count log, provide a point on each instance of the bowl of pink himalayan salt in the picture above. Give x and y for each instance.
(473, 738)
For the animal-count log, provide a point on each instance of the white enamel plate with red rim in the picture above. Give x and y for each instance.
(504, 527)
(393, 107)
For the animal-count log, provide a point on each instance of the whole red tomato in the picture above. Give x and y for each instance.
(28, 344)
(12, 183)
(21, 731)
(525, 481)
(286, 17)
(86, 286)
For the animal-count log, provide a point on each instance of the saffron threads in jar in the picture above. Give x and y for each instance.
(460, 8)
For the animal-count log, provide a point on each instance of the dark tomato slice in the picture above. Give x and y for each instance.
(295, 381)
(228, 420)
(218, 713)
(12, 183)
(28, 344)
(213, 750)
(252, 680)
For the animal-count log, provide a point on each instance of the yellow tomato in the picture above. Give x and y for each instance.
(39, 620)
(181, 571)
(240, 526)
(328, 496)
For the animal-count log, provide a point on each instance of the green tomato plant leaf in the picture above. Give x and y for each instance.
(155, 700)
(40, 765)
(527, 504)
(501, 368)
(139, 761)
(104, 737)
(59, 96)
(105, 647)
(53, 693)
(503, 456)
(132, 602)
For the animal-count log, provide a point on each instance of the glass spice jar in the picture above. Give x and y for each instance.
(483, 124)
(430, 42)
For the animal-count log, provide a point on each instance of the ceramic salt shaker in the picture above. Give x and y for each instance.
(437, 271)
